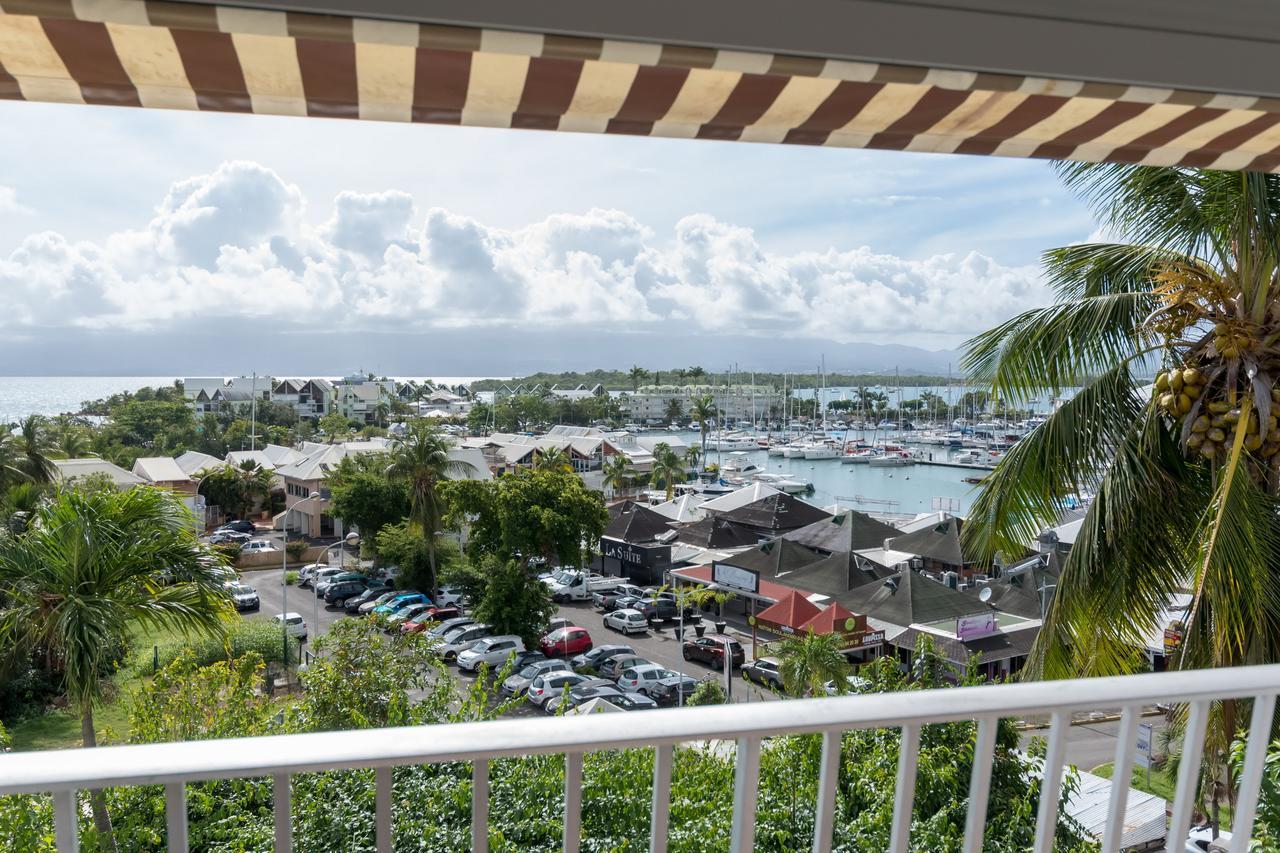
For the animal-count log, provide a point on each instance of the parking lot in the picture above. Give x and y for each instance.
(658, 645)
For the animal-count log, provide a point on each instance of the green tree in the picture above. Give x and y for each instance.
(808, 661)
(668, 468)
(696, 373)
(34, 447)
(361, 493)
(334, 425)
(87, 572)
(675, 411)
(637, 374)
(478, 417)
(422, 462)
(617, 473)
(236, 489)
(553, 459)
(514, 601)
(703, 411)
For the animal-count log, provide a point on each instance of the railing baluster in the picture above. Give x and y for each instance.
(746, 775)
(280, 801)
(572, 801)
(480, 805)
(175, 816)
(382, 808)
(1121, 775)
(1255, 760)
(904, 796)
(64, 821)
(828, 780)
(662, 761)
(975, 824)
(1188, 772)
(1051, 782)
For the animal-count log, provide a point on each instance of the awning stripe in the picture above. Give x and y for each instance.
(157, 53)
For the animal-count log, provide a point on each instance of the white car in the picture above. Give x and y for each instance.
(1201, 840)
(294, 624)
(321, 575)
(449, 596)
(640, 679)
(258, 546)
(308, 571)
(448, 626)
(856, 685)
(627, 621)
(451, 645)
(493, 651)
(551, 684)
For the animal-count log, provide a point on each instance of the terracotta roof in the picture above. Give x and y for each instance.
(792, 611)
(829, 620)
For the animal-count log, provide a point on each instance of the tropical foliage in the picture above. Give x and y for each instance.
(668, 468)
(513, 600)
(703, 412)
(809, 661)
(237, 489)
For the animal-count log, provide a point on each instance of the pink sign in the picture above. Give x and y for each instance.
(973, 627)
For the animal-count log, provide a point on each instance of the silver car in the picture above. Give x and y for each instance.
(462, 639)
(551, 684)
(517, 684)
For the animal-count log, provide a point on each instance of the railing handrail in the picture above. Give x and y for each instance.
(166, 763)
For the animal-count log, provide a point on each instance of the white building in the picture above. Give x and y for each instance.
(649, 404)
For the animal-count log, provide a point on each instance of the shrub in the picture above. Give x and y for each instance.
(290, 577)
(295, 548)
(709, 692)
(230, 551)
(242, 637)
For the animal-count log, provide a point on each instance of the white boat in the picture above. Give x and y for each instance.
(860, 457)
(892, 460)
(789, 483)
(821, 450)
(793, 451)
(739, 463)
(775, 450)
(731, 441)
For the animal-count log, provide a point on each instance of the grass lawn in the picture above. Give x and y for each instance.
(1162, 785)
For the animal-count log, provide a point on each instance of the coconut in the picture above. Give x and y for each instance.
(1200, 424)
(1208, 449)
(1190, 376)
(1219, 407)
(1195, 440)
(1217, 435)
(1175, 381)
(1192, 391)
(1184, 404)
(1253, 442)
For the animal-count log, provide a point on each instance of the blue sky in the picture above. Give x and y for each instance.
(151, 223)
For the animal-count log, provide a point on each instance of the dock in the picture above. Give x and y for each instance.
(966, 465)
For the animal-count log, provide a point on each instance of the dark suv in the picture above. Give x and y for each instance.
(338, 593)
(662, 610)
(710, 650)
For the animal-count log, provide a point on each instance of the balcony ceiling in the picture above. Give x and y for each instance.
(1154, 81)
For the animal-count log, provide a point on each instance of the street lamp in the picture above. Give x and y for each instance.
(352, 539)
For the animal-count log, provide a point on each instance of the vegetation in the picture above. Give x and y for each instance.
(513, 600)
(365, 679)
(620, 380)
(668, 468)
(362, 493)
(239, 490)
(86, 571)
(809, 661)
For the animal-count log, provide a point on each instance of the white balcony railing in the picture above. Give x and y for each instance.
(65, 772)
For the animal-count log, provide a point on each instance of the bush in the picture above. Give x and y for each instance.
(290, 577)
(709, 692)
(295, 548)
(230, 551)
(241, 638)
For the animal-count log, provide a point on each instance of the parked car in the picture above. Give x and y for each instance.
(550, 684)
(244, 596)
(627, 621)
(598, 688)
(322, 574)
(449, 625)
(404, 614)
(518, 682)
(258, 546)
(766, 672)
(338, 591)
(400, 601)
(570, 640)
(322, 585)
(631, 701)
(639, 679)
(605, 598)
(588, 661)
(450, 595)
(307, 573)
(1200, 840)
(240, 525)
(222, 536)
(377, 601)
(294, 625)
(663, 610)
(577, 585)
(556, 623)
(613, 667)
(855, 685)
(710, 650)
(668, 690)
(372, 591)
(427, 617)
(627, 602)
(493, 651)
(526, 657)
(462, 639)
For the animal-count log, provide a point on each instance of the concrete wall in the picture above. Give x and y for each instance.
(271, 559)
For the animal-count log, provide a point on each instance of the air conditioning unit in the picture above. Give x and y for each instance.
(917, 563)
(980, 582)
(964, 586)
(951, 579)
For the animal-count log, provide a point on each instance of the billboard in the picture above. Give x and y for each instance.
(735, 578)
(973, 627)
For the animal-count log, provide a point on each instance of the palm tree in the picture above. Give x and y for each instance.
(33, 445)
(808, 661)
(86, 573)
(255, 483)
(674, 410)
(11, 467)
(1185, 471)
(422, 461)
(617, 473)
(696, 373)
(702, 411)
(18, 506)
(69, 443)
(667, 467)
(380, 412)
(553, 459)
(691, 457)
(636, 373)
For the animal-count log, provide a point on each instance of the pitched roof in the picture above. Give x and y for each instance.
(633, 522)
(740, 498)
(160, 469)
(776, 513)
(829, 620)
(845, 531)
(939, 542)
(194, 461)
(687, 507)
(773, 558)
(237, 458)
(833, 575)
(908, 598)
(73, 468)
(716, 533)
(792, 611)
(993, 647)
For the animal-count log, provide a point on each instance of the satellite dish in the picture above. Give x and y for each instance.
(985, 595)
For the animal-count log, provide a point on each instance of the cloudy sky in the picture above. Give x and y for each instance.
(154, 242)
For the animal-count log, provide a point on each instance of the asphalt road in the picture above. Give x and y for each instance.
(1091, 744)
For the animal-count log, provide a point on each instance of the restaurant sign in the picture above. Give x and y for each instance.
(972, 627)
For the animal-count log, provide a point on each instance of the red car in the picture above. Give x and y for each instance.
(427, 618)
(566, 641)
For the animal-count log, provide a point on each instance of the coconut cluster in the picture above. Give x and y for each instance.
(1209, 415)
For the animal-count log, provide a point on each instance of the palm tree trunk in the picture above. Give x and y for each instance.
(97, 799)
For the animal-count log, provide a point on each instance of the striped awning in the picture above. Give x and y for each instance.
(206, 57)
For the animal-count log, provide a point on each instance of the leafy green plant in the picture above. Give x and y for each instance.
(241, 638)
(290, 577)
(296, 548)
(708, 692)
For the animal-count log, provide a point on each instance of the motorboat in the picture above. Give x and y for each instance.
(789, 483)
(821, 450)
(892, 460)
(860, 457)
(731, 441)
(738, 462)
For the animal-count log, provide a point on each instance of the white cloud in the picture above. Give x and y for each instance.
(9, 203)
(233, 244)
